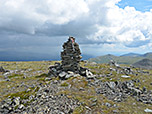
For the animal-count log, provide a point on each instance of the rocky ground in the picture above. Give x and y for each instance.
(27, 88)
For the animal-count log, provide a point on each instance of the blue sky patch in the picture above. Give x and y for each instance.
(140, 5)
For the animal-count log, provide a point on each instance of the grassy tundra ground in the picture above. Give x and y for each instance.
(25, 76)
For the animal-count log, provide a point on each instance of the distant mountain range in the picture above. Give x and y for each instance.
(132, 55)
(24, 56)
(30, 56)
(129, 58)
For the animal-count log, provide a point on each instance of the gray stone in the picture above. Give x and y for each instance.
(28, 90)
(87, 108)
(125, 76)
(68, 76)
(108, 104)
(144, 89)
(9, 101)
(94, 104)
(2, 69)
(7, 73)
(62, 74)
(16, 101)
(8, 79)
(148, 110)
(21, 106)
(112, 85)
(115, 111)
(89, 74)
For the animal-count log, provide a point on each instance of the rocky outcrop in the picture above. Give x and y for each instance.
(118, 91)
(46, 101)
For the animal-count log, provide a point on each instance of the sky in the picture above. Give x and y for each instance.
(36, 30)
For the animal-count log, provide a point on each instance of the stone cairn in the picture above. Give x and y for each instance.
(71, 56)
(70, 64)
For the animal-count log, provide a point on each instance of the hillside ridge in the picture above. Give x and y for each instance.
(129, 58)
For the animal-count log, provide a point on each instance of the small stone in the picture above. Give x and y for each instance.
(46, 90)
(94, 99)
(16, 101)
(68, 76)
(89, 74)
(55, 81)
(24, 77)
(115, 105)
(6, 74)
(115, 111)
(112, 85)
(42, 96)
(125, 76)
(8, 79)
(87, 108)
(133, 103)
(10, 108)
(81, 89)
(148, 110)
(48, 79)
(21, 106)
(24, 113)
(62, 74)
(144, 89)
(108, 104)
(28, 90)
(70, 72)
(9, 101)
(94, 104)
(2, 69)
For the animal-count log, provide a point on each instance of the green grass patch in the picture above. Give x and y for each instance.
(42, 76)
(64, 84)
(15, 75)
(24, 94)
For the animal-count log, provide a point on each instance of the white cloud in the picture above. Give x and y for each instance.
(126, 26)
(91, 21)
(26, 16)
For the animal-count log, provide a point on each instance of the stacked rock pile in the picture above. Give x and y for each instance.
(70, 65)
(71, 56)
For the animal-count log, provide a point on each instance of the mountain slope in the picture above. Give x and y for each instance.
(144, 63)
(130, 58)
(132, 54)
(148, 55)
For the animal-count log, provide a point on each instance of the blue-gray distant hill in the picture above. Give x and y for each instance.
(129, 58)
(132, 55)
(144, 63)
